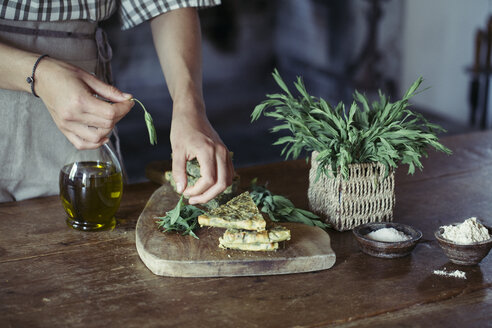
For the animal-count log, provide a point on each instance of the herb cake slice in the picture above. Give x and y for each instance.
(244, 240)
(238, 213)
(236, 236)
(249, 247)
(278, 233)
(273, 235)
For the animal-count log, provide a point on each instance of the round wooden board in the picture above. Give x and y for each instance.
(171, 254)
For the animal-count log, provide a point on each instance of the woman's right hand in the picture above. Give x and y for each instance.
(73, 98)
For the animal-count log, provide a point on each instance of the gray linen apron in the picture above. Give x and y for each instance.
(32, 148)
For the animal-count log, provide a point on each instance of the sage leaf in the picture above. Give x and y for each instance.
(182, 218)
(175, 212)
(149, 123)
(150, 128)
(280, 208)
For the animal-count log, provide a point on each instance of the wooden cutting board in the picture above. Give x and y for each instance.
(174, 255)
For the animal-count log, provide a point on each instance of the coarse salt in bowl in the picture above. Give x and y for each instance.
(386, 239)
(388, 234)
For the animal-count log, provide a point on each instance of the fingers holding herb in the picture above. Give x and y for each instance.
(192, 174)
(72, 104)
(89, 136)
(193, 138)
(221, 170)
(207, 178)
(104, 90)
(93, 126)
(179, 175)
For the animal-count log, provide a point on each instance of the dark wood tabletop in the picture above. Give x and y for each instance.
(53, 276)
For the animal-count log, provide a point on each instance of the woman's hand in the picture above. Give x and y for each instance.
(177, 39)
(192, 136)
(71, 96)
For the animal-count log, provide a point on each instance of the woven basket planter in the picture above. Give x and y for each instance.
(366, 196)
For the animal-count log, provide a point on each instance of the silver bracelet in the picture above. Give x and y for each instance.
(30, 79)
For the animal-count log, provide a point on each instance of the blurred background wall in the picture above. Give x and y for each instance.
(336, 46)
(438, 39)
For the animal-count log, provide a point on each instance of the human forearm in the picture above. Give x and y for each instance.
(177, 41)
(15, 66)
(68, 94)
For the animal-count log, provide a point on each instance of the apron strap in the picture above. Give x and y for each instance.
(45, 33)
(105, 54)
(104, 51)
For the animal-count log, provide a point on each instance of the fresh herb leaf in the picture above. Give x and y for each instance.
(384, 131)
(175, 212)
(149, 122)
(182, 218)
(279, 208)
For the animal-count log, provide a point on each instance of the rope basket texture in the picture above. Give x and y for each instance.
(366, 196)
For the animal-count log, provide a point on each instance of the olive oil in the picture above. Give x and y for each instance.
(91, 192)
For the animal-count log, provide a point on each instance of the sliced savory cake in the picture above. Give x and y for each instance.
(238, 213)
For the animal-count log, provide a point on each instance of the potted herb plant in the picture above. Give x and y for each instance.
(354, 152)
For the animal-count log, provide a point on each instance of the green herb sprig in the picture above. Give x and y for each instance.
(149, 122)
(182, 218)
(384, 131)
(280, 208)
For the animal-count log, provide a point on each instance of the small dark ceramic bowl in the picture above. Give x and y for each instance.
(469, 254)
(386, 249)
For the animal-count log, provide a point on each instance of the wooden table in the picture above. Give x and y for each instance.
(52, 276)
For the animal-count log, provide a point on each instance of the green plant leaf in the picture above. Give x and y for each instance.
(280, 82)
(182, 218)
(149, 123)
(175, 212)
(150, 128)
(384, 131)
(280, 208)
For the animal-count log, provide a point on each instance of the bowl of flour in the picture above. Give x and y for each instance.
(386, 239)
(465, 243)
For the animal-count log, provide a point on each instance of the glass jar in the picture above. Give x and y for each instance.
(91, 186)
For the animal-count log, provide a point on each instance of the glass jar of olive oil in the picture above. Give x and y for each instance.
(91, 186)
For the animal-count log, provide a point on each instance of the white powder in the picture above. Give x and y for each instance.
(468, 232)
(388, 234)
(455, 273)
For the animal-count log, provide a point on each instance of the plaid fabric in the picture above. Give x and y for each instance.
(131, 12)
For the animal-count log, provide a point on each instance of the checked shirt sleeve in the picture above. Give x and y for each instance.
(134, 12)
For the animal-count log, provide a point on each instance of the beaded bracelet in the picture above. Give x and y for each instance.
(30, 79)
